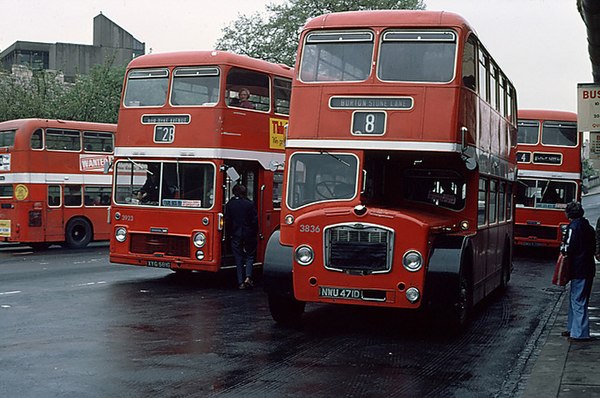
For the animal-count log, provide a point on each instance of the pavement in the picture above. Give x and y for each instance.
(568, 369)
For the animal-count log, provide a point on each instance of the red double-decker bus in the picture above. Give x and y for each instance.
(399, 168)
(193, 124)
(549, 175)
(52, 185)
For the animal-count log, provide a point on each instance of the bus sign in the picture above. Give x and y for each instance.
(5, 162)
(588, 107)
(5, 228)
(164, 134)
(277, 133)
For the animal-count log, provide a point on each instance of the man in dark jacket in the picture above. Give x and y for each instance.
(241, 223)
(579, 245)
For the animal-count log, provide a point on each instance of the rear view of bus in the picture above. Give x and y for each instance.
(52, 185)
(399, 168)
(549, 175)
(193, 125)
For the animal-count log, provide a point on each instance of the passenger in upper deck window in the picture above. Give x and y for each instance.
(244, 100)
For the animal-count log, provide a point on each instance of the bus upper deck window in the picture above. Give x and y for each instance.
(529, 132)
(146, 87)
(195, 86)
(559, 133)
(337, 56)
(417, 56)
(7, 138)
(97, 141)
(37, 141)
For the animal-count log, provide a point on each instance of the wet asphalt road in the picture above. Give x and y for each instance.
(73, 325)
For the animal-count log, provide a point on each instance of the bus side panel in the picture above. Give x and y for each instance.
(277, 269)
(442, 280)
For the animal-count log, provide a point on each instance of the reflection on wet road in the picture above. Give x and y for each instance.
(75, 325)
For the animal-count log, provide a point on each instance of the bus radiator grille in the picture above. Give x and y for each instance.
(166, 244)
(362, 249)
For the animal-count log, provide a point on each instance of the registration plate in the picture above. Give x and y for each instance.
(340, 293)
(531, 244)
(158, 264)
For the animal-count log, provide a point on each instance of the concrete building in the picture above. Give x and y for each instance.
(110, 40)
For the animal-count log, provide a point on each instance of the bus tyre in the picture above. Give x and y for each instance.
(78, 233)
(461, 313)
(506, 268)
(286, 310)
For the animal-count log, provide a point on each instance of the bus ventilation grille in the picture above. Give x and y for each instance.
(361, 250)
(541, 232)
(165, 244)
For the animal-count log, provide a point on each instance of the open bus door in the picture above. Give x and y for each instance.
(235, 172)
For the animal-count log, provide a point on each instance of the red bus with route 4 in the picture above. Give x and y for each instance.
(549, 175)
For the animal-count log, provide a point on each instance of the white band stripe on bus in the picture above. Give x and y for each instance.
(265, 158)
(371, 144)
(548, 174)
(56, 178)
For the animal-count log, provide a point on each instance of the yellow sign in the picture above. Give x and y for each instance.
(5, 228)
(277, 133)
(21, 192)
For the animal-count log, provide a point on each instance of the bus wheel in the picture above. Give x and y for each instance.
(285, 310)
(460, 316)
(506, 266)
(78, 233)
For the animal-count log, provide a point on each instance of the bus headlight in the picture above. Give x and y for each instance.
(289, 219)
(121, 234)
(199, 239)
(200, 255)
(413, 294)
(412, 260)
(304, 255)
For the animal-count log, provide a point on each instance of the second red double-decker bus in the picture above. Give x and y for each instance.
(52, 185)
(399, 168)
(194, 124)
(549, 175)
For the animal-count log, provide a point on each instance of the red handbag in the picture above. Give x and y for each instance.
(561, 271)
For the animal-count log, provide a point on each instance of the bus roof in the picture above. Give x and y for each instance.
(195, 58)
(387, 18)
(545, 114)
(56, 123)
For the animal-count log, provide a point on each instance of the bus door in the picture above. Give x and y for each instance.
(246, 173)
(54, 223)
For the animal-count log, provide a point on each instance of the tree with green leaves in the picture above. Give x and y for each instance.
(93, 97)
(273, 35)
(29, 94)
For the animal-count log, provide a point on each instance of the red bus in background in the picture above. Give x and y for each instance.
(399, 168)
(185, 125)
(52, 185)
(549, 175)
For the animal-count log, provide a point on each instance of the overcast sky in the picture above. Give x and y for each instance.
(540, 44)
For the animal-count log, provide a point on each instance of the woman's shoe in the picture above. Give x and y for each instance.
(242, 286)
(248, 282)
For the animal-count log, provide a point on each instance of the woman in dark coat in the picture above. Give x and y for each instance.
(579, 245)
